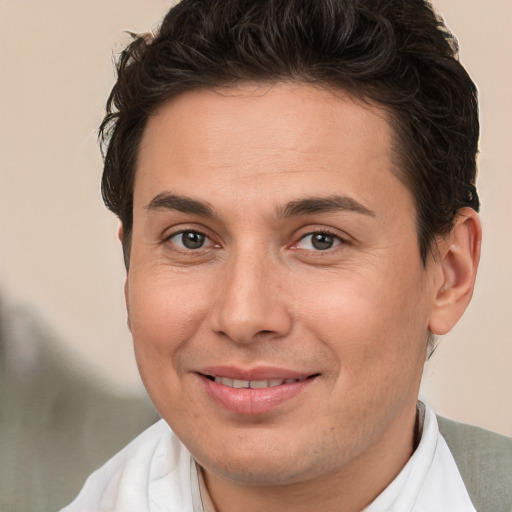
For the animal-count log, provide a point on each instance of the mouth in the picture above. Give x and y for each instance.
(256, 384)
(255, 392)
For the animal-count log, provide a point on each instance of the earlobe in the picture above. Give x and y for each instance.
(120, 233)
(457, 261)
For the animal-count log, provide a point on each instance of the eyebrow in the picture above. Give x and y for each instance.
(168, 201)
(305, 206)
(313, 205)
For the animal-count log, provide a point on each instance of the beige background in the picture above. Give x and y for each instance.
(58, 247)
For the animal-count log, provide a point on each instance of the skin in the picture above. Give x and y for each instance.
(258, 293)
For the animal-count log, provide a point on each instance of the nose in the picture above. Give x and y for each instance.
(250, 303)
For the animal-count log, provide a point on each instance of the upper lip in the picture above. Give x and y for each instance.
(257, 373)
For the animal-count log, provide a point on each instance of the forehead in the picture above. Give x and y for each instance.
(263, 121)
(253, 141)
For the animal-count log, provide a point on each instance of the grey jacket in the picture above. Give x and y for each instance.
(484, 460)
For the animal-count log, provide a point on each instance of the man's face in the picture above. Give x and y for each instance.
(277, 300)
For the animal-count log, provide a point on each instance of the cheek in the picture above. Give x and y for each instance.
(373, 327)
(164, 315)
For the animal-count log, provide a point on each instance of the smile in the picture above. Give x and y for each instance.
(254, 384)
(257, 393)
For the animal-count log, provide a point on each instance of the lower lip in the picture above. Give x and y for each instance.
(254, 401)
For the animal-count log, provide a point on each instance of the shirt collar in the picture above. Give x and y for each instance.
(430, 481)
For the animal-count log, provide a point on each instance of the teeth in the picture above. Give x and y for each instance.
(253, 384)
(257, 384)
(239, 384)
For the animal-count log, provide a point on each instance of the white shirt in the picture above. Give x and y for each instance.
(429, 482)
(156, 473)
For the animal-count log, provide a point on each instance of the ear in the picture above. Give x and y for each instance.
(120, 235)
(125, 240)
(127, 302)
(457, 263)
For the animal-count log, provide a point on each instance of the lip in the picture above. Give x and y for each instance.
(257, 373)
(254, 401)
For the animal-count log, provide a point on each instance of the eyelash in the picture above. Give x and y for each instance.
(337, 240)
(191, 231)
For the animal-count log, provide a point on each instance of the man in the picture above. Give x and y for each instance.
(295, 184)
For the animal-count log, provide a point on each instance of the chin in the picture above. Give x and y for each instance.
(270, 463)
(261, 473)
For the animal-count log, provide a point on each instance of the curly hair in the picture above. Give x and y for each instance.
(394, 53)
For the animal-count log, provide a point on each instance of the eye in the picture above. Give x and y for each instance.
(191, 240)
(318, 241)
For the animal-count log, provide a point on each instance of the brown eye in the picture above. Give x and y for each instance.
(192, 239)
(318, 241)
(189, 240)
(322, 241)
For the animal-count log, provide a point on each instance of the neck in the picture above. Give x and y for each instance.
(349, 489)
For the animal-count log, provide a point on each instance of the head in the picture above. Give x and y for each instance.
(397, 54)
(295, 183)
